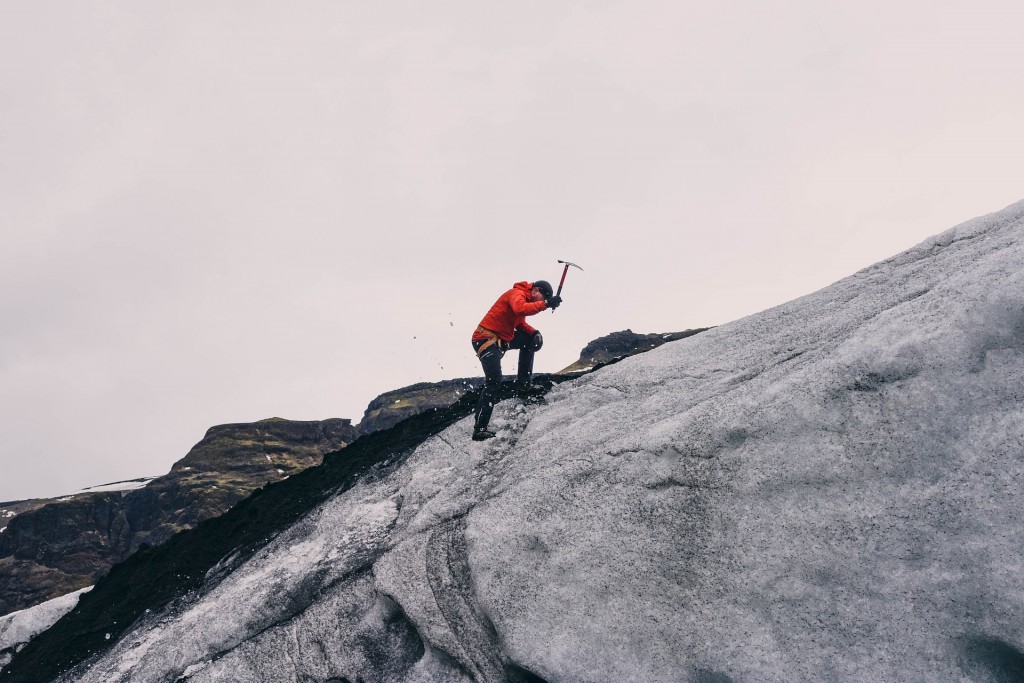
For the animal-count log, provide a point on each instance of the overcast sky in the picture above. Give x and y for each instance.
(219, 212)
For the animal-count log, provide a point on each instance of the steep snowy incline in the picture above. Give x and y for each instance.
(825, 491)
(828, 490)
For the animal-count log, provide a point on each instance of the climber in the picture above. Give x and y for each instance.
(503, 328)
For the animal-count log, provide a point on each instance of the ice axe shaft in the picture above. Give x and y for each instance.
(565, 271)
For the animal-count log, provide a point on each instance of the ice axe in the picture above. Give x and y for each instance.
(564, 272)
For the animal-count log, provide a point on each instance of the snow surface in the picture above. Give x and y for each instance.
(827, 490)
(17, 628)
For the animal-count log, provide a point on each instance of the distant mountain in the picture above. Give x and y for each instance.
(11, 509)
(49, 548)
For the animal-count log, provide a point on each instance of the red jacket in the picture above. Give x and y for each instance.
(509, 313)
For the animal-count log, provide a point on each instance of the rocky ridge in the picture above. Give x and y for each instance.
(619, 345)
(392, 407)
(50, 548)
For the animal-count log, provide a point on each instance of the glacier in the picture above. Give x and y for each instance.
(18, 628)
(826, 490)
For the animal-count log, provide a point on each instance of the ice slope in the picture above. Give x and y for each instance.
(828, 490)
(17, 628)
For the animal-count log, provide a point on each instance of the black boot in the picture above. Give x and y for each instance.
(482, 435)
(530, 394)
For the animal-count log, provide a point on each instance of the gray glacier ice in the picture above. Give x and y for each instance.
(17, 628)
(829, 490)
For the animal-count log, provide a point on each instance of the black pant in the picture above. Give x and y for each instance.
(490, 359)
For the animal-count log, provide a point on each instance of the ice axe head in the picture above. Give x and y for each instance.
(564, 271)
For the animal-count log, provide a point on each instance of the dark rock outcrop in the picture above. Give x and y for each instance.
(11, 509)
(54, 548)
(618, 345)
(392, 407)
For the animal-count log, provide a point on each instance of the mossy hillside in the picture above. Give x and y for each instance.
(69, 543)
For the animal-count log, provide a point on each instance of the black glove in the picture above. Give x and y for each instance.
(537, 341)
(554, 302)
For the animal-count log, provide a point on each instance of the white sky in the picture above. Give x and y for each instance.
(221, 211)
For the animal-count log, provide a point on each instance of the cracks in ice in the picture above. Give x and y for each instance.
(446, 442)
(287, 621)
(225, 566)
(757, 371)
(447, 564)
(790, 357)
(672, 482)
(733, 438)
(874, 381)
(941, 242)
(607, 386)
(916, 294)
(479, 646)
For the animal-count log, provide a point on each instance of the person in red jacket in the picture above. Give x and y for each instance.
(503, 328)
